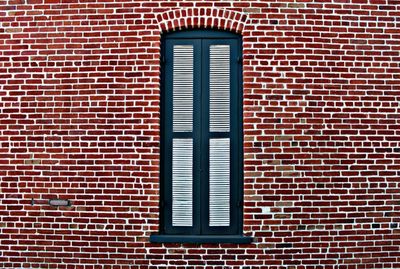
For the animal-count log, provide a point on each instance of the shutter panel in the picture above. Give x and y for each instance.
(219, 88)
(182, 88)
(219, 148)
(182, 182)
(182, 148)
(219, 181)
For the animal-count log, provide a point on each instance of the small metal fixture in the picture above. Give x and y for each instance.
(59, 202)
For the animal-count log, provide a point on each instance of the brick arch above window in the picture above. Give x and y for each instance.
(223, 19)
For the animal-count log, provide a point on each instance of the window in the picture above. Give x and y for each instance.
(201, 138)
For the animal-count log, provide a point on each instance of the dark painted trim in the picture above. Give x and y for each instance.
(199, 239)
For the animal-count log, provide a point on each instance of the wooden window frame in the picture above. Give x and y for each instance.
(201, 232)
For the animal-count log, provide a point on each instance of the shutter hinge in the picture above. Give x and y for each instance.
(162, 204)
(162, 60)
(239, 204)
(240, 60)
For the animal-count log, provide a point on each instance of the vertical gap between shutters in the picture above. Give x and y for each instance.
(201, 136)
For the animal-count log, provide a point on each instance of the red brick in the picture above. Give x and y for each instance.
(79, 119)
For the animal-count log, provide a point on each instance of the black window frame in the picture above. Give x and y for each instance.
(201, 232)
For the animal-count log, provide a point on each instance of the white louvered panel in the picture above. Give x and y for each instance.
(182, 88)
(182, 182)
(219, 88)
(219, 181)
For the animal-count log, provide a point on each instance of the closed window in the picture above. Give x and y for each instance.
(201, 138)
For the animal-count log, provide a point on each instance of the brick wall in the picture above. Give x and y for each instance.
(79, 120)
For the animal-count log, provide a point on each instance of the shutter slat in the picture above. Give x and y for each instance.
(219, 182)
(182, 88)
(182, 182)
(219, 88)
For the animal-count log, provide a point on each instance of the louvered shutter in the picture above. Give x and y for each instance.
(201, 136)
(182, 148)
(182, 93)
(219, 149)
(219, 182)
(219, 88)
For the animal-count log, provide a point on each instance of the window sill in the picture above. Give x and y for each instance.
(198, 239)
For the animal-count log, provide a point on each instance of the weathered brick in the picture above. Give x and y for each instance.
(80, 120)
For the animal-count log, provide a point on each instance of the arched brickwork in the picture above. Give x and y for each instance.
(202, 18)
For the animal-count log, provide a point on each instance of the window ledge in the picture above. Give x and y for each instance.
(198, 239)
